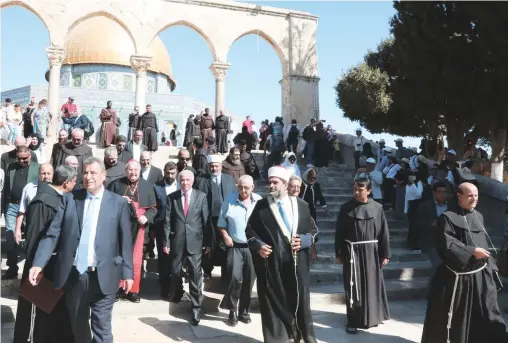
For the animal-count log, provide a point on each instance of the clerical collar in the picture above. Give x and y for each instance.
(464, 211)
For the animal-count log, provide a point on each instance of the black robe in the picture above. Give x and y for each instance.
(114, 173)
(363, 222)
(54, 327)
(283, 290)
(82, 152)
(125, 156)
(251, 167)
(148, 124)
(146, 198)
(57, 148)
(200, 162)
(476, 316)
(221, 133)
(211, 150)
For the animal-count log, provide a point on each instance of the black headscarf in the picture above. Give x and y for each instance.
(39, 142)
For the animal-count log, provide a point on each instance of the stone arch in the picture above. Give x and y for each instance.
(271, 41)
(191, 26)
(29, 8)
(103, 14)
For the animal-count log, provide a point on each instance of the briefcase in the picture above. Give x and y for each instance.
(44, 295)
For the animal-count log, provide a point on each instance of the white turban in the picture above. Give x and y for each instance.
(214, 159)
(280, 172)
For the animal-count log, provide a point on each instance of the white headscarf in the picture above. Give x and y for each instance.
(292, 168)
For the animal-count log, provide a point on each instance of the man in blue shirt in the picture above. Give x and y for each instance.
(234, 214)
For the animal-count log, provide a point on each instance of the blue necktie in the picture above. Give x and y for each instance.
(84, 242)
(285, 219)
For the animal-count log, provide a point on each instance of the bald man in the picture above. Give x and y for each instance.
(73, 162)
(463, 303)
(29, 192)
(11, 157)
(76, 147)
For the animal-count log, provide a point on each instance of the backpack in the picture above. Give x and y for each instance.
(293, 133)
(89, 129)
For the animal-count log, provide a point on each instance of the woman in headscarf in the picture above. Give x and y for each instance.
(290, 164)
(311, 192)
(36, 145)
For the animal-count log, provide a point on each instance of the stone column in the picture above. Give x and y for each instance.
(55, 58)
(219, 70)
(140, 64)
(300, 98)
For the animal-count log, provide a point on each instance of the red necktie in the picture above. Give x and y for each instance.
(185, 204)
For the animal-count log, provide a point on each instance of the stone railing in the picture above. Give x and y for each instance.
(347, 149)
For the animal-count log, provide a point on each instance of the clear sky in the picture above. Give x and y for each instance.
(346, 30)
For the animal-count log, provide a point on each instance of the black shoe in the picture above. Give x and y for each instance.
(233, 319)
(133, 297)
(151, 254)
(10, 274)
(245, 318)
(196, 317)
(351, 330)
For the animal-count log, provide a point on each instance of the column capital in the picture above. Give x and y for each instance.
(219, 70)
(140, 63)
(56, 56)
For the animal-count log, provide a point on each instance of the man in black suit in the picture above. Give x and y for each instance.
(136, 146)
(217, 186)
(91, 238)
(149, 172)
(163, 188)
(186, 232)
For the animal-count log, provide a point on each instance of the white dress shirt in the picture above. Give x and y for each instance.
(288, 210)
(145, 173)
(189, 193)
(413, 192)
(217, 179)
(391, 171)
(92, 258)
(376, 179)
(358, 143)
(171, 188)
(136, 150)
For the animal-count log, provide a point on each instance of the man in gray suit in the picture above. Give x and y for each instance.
(91, 238)
(186, 232)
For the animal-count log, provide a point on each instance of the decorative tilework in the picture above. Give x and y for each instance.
(77, 81)
(150, 87)
(90, 81)
(103, 81)
(115, 82)
(127, 83)
(64, 79)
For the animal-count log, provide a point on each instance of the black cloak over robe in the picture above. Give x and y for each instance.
(221, 133)
(148, 124)
(146, 198)
(82, 152)
(251, 167)
(54, 327)
(475, 313)
(283, 290)
(200, 162)
(363, 222)
(114, 173)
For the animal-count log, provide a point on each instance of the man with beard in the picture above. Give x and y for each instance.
(143, 204)
(12, 157)
(136, 146)
(29, 192)
(217, 186)
(108, 119)
(123, 155)
(206, 125)
(362, 245)
(53, 327)
(199, 161)
(114, 169)
(463, 303)
(248, 161)
(184, 159)
(149, 172)
(186, 232)
(148, 125)
(77, 147)
(164, 188)
(57, 147)
(72, 161)
(233, 166)
(279, 235)
(234, 214)
(222, 128)
(133, 122)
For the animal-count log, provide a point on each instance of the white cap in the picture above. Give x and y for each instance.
(452, 152)
(399, 140)
(214, 159)
(280, 172)
(359, 129)
(415, 150)
(381, 140)
(405, 159)
(388, 149)
(371, 160)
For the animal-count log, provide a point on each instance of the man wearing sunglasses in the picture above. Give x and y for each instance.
(184, 161)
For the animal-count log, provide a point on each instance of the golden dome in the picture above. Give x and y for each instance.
(101, 40)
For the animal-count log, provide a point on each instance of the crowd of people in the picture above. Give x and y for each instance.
(89, 223)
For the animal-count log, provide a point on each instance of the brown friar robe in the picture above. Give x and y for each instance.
(206, 125)
(81, 152)
(108, 128)
(232, 169)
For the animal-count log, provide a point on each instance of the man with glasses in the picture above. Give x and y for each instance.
(184, 161)
(76, 147)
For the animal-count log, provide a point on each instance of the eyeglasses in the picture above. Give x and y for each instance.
(184, 158)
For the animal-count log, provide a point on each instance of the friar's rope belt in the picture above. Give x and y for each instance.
(452, 302)
(352, 263)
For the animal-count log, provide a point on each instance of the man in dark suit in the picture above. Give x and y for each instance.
(136, 146)
(217, 186)
(427, 215)
(149, 172)
(91, 233)
(163, 188)
(186, 232)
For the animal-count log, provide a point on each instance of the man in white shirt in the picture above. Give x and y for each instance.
(375, 176)
(358, 143)
(29, 192)
(149, 172)
(136, 146)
